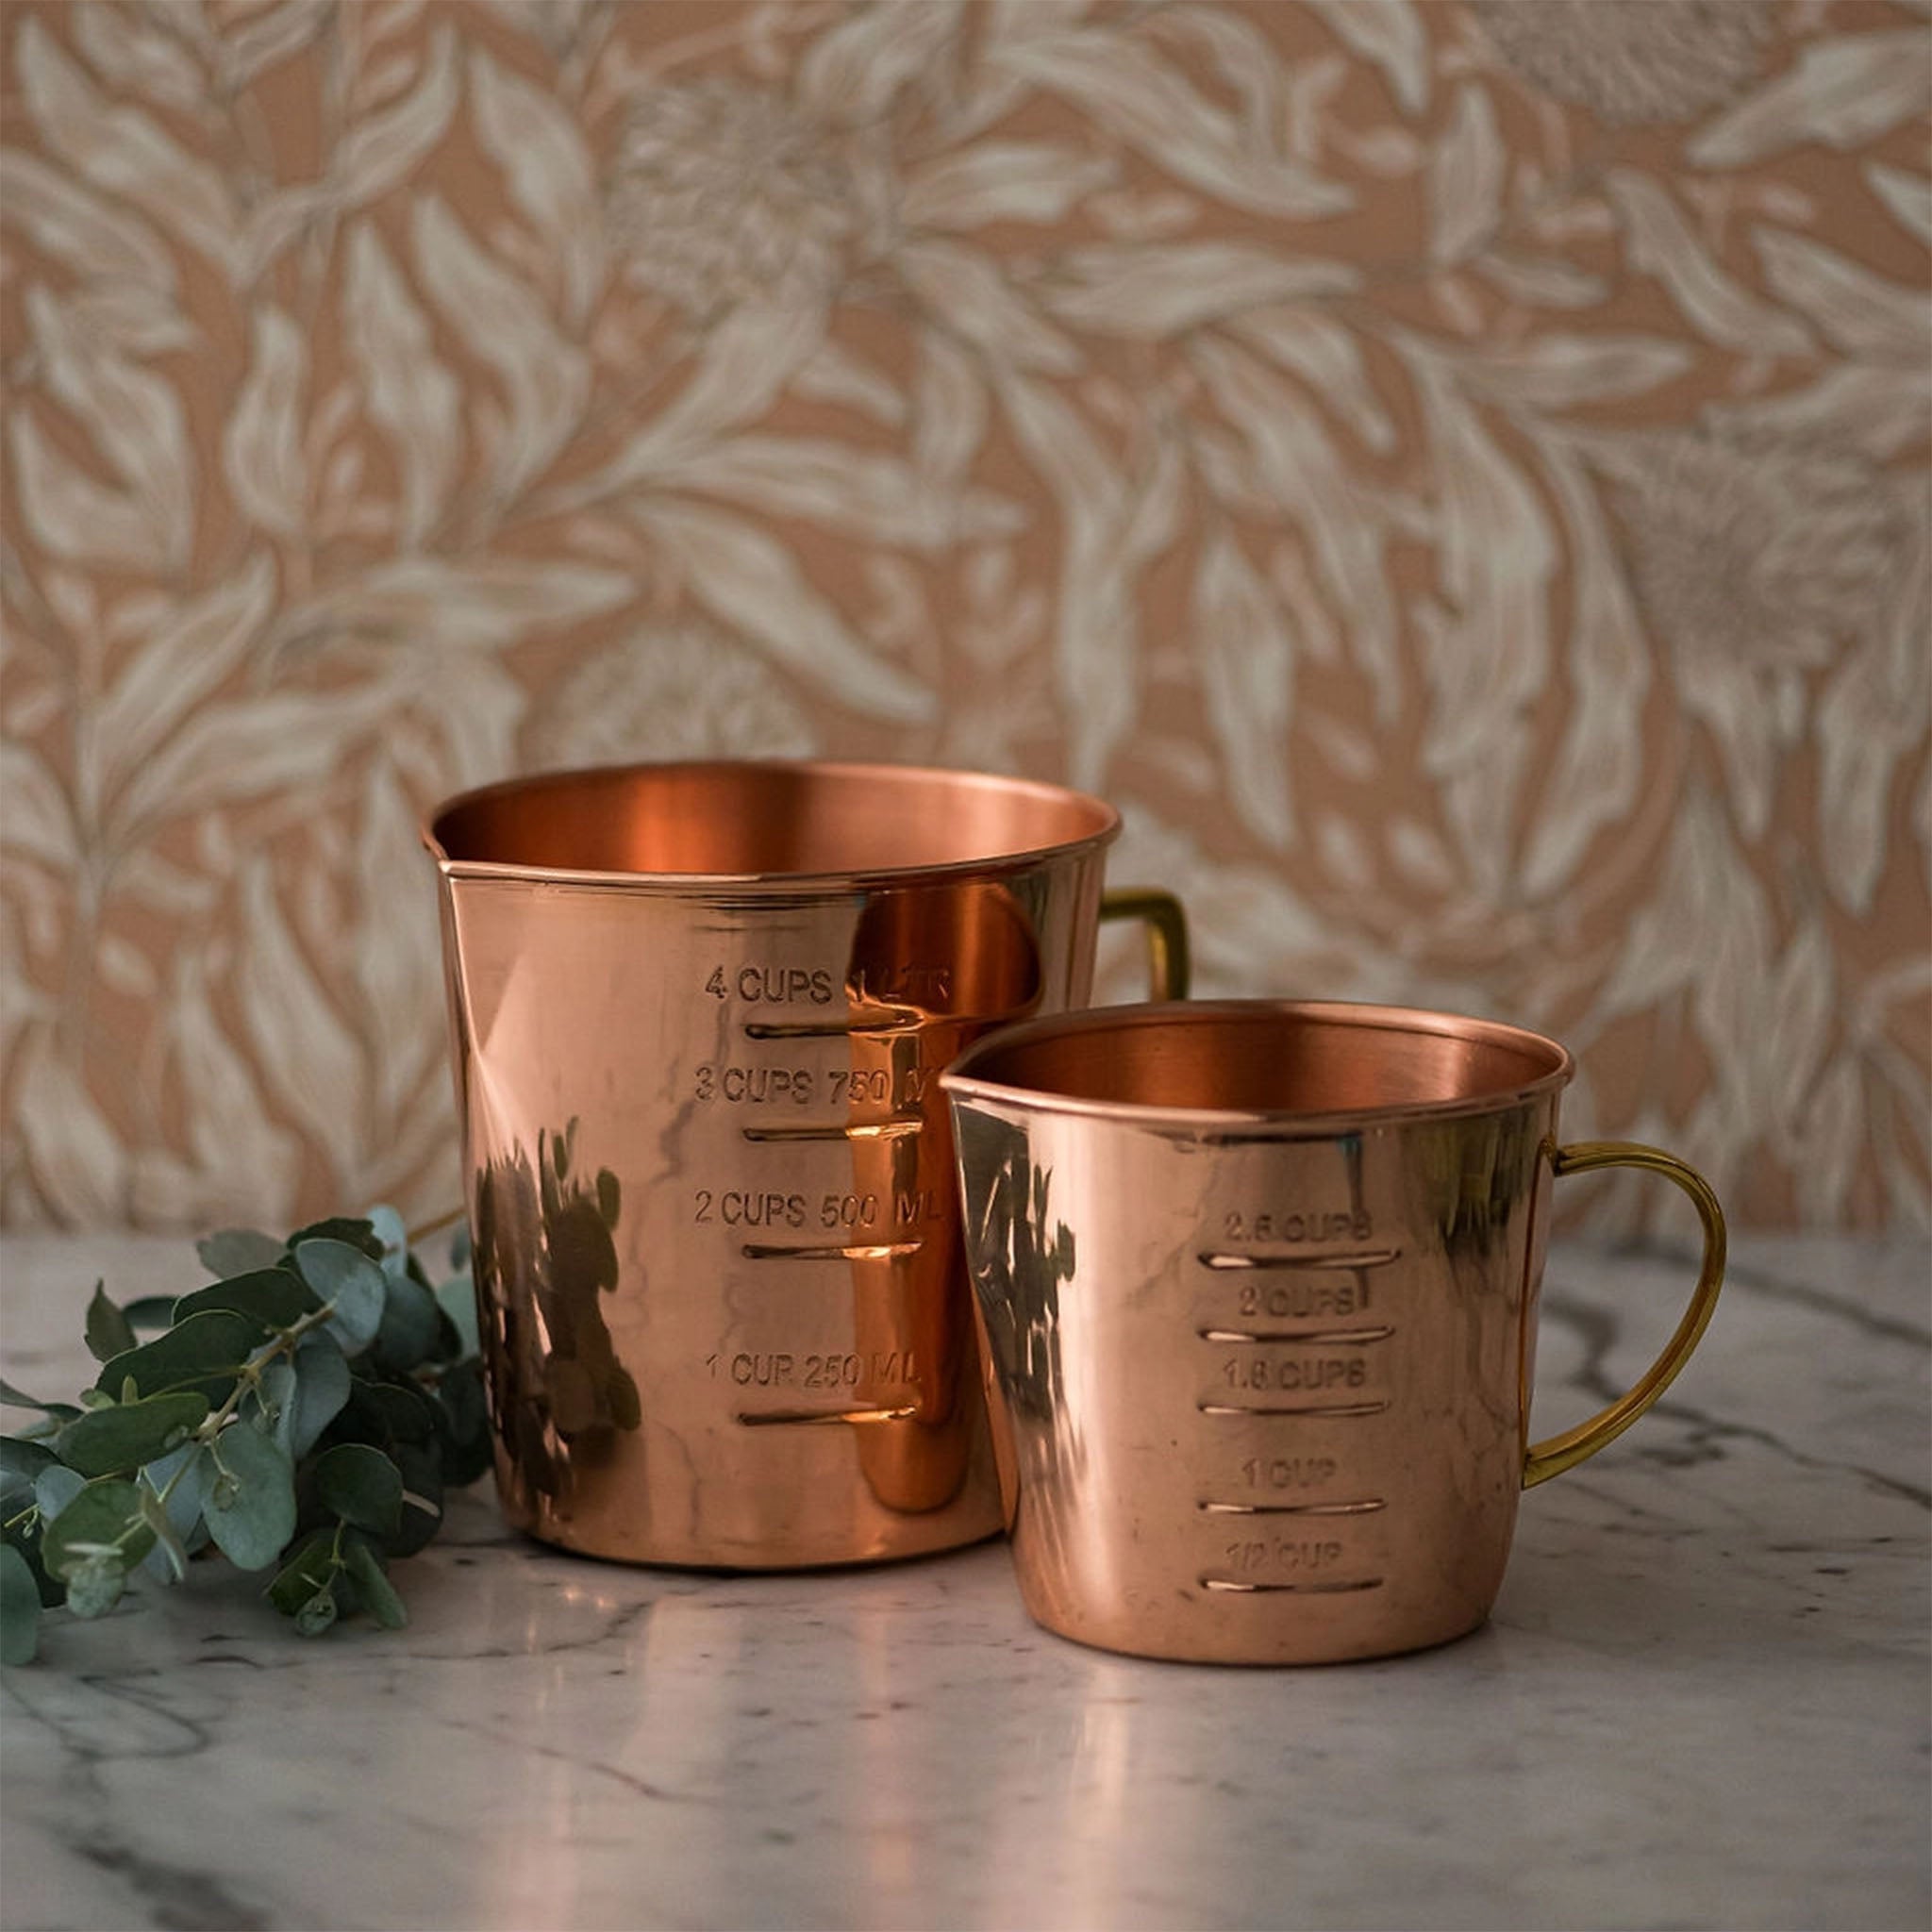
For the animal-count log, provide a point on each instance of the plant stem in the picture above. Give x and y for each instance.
(249, 1376)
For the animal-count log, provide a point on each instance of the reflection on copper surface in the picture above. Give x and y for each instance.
(740, 981)
(544, 1258)
(1257, 1282)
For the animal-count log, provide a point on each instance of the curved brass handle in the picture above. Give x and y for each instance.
(1573, 1447)
(1168, 966)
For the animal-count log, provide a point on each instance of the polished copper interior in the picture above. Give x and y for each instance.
(1267, 1057)
(763, 819)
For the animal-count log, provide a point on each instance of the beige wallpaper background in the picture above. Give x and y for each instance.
(1456, 474)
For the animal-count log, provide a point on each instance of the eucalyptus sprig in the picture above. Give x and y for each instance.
(303, 1414)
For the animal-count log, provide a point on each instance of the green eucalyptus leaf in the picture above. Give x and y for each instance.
(361, 1486)
(271, 1297)
(206, 1352)
(150, 1311)
(312, 1568)
(352, 1281)
(422, 1466)
(107, 1329)
(250, 1503)
(108, 1441)
(23, 1459)
(386, 1413)
(11, 1397)
(385, 1224)
(353, 1230)
(20, 1607)
(180, 1477)
(55, 1488)
(609, 1196)
(168, 1559)
(271, 1406)
(25, 1538)
(317, 1614)
(413, 1328)
(373, 1585)
(94, 1587)
(103, 1521)
(321, 1387)
(457, 1298)
(238, 1251)
(465, 1413)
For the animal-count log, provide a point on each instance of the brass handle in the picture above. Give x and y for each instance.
(1168, 970)
(1573, 1447)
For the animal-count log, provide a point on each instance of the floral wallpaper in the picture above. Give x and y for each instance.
(1455, 474)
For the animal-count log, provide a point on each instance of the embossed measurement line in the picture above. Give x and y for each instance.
(1340, 1587)
(1308, 1337)
(828, 1029)
(857, 1251)
(1362, 1257)
(1328, 1409)
(1365, 1506)
(819, 1418)
(871, 1130)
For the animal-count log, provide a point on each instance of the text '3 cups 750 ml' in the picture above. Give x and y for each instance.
(699, 1012)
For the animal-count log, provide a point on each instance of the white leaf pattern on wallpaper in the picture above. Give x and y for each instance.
(1599, 762)
(372, 158)
(406, 389)
(1466, 178)
(1859, 311)
(1165, 290)
(220, 1172)
(1113, 522)
(544, 379)
(1122, 83)
(1390, 34)
(72, 226)
(750, 581)
(1249, 676)
(1458, 474)
(1840, 93)
(1662, 242)
(123, 150)
(547, 170)
(187, 651)
(878, 498)
(267, 469)
(134, 420)
(1002, 182)
(1908, 196)
(1297, 467)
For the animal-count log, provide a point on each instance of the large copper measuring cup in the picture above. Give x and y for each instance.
(1259, 1283)
(698, 1014)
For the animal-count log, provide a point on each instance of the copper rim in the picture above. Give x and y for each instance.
(976, 1075)
(965, 787)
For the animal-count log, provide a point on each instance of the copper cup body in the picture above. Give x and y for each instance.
(1259, 1284)
(698, 1011)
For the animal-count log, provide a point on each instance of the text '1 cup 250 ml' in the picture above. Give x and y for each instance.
(1259, 1282)
(699, 1012)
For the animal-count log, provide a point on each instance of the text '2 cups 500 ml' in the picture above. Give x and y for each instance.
(699, 1012)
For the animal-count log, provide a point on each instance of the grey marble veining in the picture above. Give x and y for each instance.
(1702, 1701)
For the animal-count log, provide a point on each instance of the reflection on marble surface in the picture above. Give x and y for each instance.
(1701, 1700)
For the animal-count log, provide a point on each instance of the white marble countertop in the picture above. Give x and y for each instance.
(1702, 1701)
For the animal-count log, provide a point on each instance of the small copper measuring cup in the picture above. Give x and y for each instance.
(1257, 1283)
(698, 1013)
